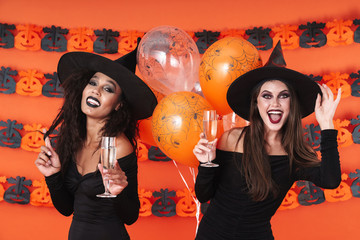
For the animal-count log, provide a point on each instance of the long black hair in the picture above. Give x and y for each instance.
(72, 121)
(255, 164)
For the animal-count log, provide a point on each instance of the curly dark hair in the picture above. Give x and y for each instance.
(72, 121)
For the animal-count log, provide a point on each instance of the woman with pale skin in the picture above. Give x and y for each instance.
(258, 164)
(102, 98)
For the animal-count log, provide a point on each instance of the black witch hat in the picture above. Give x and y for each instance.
(239, 92)
(137, 94)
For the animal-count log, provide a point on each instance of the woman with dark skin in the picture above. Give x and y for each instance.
(260, 163)
(102, 98)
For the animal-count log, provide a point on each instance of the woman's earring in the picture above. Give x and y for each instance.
(118, 107)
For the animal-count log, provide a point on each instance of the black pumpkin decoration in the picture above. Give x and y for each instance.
(164, 206)
(310, 194)
(9, 136)
(260, 38)
(18, 193)
(313, 35)
(105, 41)
(52, 87)
(54, 40)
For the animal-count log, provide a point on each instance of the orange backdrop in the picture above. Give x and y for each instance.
(329, 220)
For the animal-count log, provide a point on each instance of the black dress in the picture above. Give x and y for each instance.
(232, 214)
(96, 218)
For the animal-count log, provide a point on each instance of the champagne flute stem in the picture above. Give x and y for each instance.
(107, 186)
(209, 145)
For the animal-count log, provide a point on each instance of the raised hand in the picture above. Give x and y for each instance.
(48, 161)
(117, 178)
(325, 107)
(203, 148)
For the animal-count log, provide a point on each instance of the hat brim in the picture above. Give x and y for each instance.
(138, 95)
(239, 92)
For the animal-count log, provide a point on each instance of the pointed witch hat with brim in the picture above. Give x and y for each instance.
(137, 94)
(239, 92)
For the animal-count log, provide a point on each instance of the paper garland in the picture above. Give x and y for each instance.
(57, 38)
(168, 203)
(32, 140)
(33, 83)
(30, 83)
(165, 202)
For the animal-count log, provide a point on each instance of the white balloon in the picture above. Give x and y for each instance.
(168, 60)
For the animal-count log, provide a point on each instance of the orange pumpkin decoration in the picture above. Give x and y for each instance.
(287, 35)
(2, 190)
(344, 137)
(336, 81)
(28, 37)
(223, 62)
(80, 40)
(142, 151)
(34, 140)
(29, 83)
(128, 41)
(340, 33)
(186, 206)
(341, 193)
(145, 204)
(41, 195)
(177, 124)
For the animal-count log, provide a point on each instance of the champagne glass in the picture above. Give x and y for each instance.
(210, 130)
(108, 159)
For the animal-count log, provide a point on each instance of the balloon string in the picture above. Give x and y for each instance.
(192, 171)
(197, 202)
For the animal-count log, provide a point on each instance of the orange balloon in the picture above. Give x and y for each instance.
(145, 133)
(221, 64)
(177, 124)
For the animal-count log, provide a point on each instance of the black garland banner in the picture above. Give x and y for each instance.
(33, 83)
(13, 136)
(168, 203)
(165, 202)
(59, 39)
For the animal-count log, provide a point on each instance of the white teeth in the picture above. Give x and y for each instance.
(93, 102)
(274, 112)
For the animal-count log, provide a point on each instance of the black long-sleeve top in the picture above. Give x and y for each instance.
(96, 218)
(232, 214)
